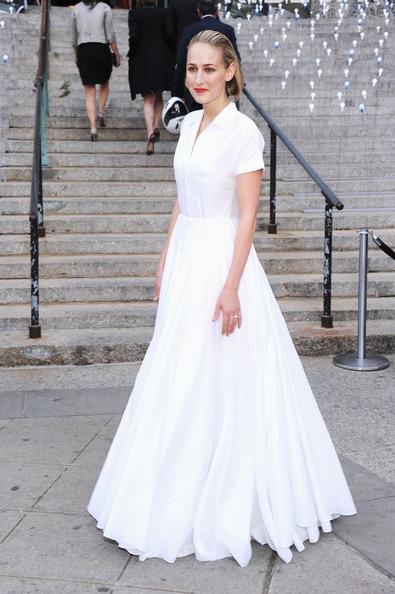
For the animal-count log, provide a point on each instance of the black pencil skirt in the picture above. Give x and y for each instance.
(94, 63)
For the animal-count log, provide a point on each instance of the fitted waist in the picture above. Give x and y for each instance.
(209, 218)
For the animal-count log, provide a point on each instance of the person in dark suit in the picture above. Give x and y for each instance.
(182, 13)
(208, 19)
(151, 62)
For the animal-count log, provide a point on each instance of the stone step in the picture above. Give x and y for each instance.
(101, 160)
(152, 205)
(91, 205)
(139, 265)
(145, 243)
(107, 290)
(132, 153)
(68, 316)
(167, 188)
(116, 171)
(59, 190)
(335, 150)
(325, 105)
(340, 186)
(112, 149)
(108, 135)
(350, 141)
(64, 82)
(91, 224)
(141, 223)
(86, 347)
(83, 174)
(329, 171)
(65, 87)
(304, 138)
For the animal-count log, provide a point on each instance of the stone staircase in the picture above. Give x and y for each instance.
(107, 204)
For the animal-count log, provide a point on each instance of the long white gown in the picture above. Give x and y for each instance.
(222, 440)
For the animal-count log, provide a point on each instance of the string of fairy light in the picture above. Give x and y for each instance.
(268, 43)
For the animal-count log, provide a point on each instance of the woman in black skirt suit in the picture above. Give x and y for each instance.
(92, 36)
(151, 61)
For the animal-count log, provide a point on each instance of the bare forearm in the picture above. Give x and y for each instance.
(243, 241)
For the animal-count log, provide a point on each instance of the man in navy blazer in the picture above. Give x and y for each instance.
(208, 13)
(182, 13)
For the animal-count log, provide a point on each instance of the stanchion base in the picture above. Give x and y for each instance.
(371, 362)
(35, 331)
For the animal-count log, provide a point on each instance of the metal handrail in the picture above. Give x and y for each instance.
(331, 200)
(36, 214)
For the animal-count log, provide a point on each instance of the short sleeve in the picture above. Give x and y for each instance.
(250, 149)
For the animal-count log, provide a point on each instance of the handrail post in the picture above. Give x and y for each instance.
(272, 226)
(35, 327)
(36, 189)
(327, 318)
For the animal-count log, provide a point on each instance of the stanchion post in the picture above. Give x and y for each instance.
(362, 361)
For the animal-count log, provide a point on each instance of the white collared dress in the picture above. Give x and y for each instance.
(221, 441)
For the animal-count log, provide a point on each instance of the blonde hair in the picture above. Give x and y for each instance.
(216, 39)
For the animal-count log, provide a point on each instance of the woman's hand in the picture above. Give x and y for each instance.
(228, 303)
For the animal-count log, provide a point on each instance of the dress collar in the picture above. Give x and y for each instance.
(221, 120)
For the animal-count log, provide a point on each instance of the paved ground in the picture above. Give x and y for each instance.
(56, 425)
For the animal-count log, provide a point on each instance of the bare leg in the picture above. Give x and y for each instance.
(158, 107)
(90, 102)
(149, 113)
(104, 90)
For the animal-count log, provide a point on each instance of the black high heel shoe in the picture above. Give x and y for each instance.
(156, 134)
(151, 145)
(94, 137)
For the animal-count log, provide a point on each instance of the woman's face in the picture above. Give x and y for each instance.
(206, 73)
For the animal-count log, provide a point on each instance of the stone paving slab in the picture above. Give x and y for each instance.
(24, 483)
(56, 440)
(334, 569)
(60, 546)
(202, 578)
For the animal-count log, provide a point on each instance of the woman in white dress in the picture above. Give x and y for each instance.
(222, 440)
